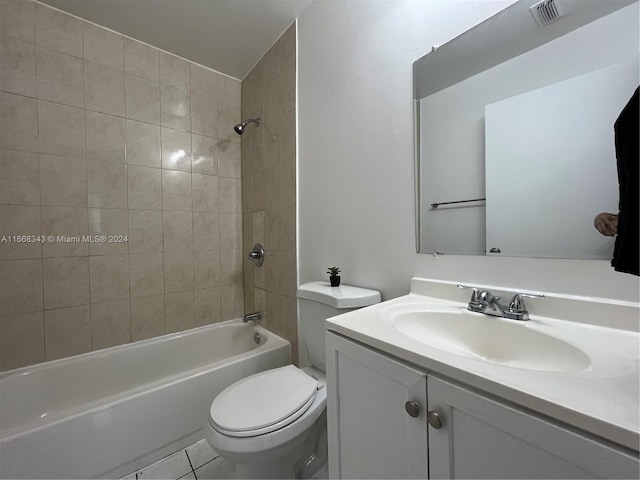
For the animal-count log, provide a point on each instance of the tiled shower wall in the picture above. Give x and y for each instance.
(103, 135)
(269, 187)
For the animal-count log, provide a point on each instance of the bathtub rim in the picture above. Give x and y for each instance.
(125, 346)
(35, 424)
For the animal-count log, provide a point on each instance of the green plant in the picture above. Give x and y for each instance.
(333, 271)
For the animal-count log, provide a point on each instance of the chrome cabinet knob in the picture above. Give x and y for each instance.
(412, 408)
(434, 419)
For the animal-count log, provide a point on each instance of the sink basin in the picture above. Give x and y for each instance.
(493, 339)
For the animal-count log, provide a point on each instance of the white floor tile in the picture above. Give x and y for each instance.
(200, 453)
(215, 470)
(188, 476)
(170, 468)
(129, 477)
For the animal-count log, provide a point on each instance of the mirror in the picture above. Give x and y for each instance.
(514, 131)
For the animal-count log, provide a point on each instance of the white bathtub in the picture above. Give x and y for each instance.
(111, 412)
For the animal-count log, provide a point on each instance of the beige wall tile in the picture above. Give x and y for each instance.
(61, 129)
(175, 108)
(205, 193)
(110, 324)
(206, 231)
(178, 271)
(109, 278)
(207, 306)
(21, 340)
(147, 317)
(105, 137)
(144, 188)
(67, 331)
(66, 282)
(230, 231)
(58, 31)
(174, 71)
(273, 309)
(64, 222)
(20, 286)
(20, 220)
(63, 181)
(103, 46)
(229, 160)
(109, 222)
(229, 90)
(107, 184)
(141, 60)
(177, 231)
(146, 273)
(18, 122)
(103, 89)
(204, 155)
(19, 178)
(232, 305)
(60, 77)
(204, 101)
(231, 267)
(142, 99)
(176, 150)
(145, 231)
(19, 75)
(143, 144)
(17, 20)
(206, 266)
(230, 195)
(179, 311)
(228, 116)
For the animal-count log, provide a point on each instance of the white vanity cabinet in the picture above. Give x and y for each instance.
(373, 435)
(370, 433)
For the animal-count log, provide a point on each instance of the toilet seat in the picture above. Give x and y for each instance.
(264, 402)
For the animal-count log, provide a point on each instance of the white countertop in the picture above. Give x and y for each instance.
(602, 399)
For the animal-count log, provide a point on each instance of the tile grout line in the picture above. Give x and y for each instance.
(193, 470)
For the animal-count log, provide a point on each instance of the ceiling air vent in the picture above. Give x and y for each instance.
(546, 12)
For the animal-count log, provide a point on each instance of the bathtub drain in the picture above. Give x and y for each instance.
(256, 337)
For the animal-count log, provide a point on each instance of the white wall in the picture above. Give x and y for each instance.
(356, 170)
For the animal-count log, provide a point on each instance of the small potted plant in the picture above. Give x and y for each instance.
(334, 276)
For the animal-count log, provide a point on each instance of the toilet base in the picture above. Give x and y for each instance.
(302, 458)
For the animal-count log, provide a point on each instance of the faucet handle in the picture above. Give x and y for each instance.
(475, 294)
(476, 301)
(517, 303)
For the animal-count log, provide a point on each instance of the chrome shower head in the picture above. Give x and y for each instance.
(239, 128)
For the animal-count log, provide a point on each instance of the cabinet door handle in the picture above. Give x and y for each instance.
(412, 408)
(434, 419)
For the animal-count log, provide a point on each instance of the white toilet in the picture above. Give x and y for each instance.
(273, 424)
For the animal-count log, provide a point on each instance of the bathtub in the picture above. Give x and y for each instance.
(111, 412)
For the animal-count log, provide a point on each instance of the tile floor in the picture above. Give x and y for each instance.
(197, 462)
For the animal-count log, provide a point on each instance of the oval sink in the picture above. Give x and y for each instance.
(504, 342)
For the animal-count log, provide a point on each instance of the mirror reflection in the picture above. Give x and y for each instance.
(514, 128)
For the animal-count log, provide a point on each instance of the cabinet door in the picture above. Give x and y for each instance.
(484, 438)
(371, 435)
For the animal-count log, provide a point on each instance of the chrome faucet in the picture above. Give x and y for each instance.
(483, 301)
(252, 317)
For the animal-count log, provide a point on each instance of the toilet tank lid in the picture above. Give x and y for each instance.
(344, 296)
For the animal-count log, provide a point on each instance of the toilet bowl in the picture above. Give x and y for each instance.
(273, 424)
(270, 422)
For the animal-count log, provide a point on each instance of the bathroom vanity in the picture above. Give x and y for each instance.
(420, 387)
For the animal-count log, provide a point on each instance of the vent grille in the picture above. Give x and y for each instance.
(546, 12)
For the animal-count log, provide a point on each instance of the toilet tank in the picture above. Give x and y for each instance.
(317, 302)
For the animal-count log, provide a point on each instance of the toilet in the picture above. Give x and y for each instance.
(273, 424)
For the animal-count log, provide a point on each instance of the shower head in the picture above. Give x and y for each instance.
(239, 128)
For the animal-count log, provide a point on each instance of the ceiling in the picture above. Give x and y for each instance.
(229, 36)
